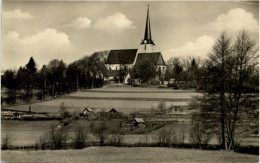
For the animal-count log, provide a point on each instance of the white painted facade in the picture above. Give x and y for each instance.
(117, 66)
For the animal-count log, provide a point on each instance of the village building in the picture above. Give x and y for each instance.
(121, 61)
(113, 111)
(138, 122)
(88, 113)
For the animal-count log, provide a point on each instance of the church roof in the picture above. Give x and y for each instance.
(155, 58)
(123, 56)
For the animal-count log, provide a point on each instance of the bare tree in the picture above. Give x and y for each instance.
(44, 141)
(201, 131)
(167, 136)
(229, 68)
(5, 142)
(162, 107)
(244, 61)
(63, 111)
(58, 136)
(80, 136)
(100, 130)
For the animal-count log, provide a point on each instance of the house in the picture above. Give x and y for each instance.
(138, 122)
(120, 62)
(113, 113)
(88, 112)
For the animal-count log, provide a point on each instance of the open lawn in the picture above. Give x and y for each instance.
(127, 89)
(23, 133)
(137, 154)
(26, 133)
(173, 95)
(123, 99)
(77, 105)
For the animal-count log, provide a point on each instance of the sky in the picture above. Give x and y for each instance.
(70, 30)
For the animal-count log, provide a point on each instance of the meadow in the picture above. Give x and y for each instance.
(126, 100)
(172, 95)
(118, 154)
(27, 133)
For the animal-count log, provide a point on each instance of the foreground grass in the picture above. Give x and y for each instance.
(27, 133)
(114, 154)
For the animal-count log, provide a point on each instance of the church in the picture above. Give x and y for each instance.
(126, 59)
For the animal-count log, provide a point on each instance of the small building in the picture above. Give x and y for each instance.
(138, 122)
(113, 111)
(88, 112)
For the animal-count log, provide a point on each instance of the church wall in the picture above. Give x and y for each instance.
(163, 69)
(117, 66)
(146, 48)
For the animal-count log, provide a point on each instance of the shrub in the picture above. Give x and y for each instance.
(58, 136)
(64, 112)
(162, 107)
(43, 141)
(5, 142)
(100, 130)
(166, 137)
(116, 139)
(80, 136)
(200, 134)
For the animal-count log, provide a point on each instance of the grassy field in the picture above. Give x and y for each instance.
(77, 105)
(135, 89)
(173, 95)
(26, 133)
(123, 99)
(23, 133)
(115, 154)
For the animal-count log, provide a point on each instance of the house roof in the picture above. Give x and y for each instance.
(88, 109)
(113, 111)
(122, 56)
(139, 120)
(155, 58)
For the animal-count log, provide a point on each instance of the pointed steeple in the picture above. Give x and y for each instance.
(147, 34)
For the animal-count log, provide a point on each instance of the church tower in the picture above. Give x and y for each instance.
(147, 44)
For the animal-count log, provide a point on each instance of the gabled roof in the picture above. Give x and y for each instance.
(123, 56)
(139, 120)
(88, 109)
(113, 111)
(155, 58)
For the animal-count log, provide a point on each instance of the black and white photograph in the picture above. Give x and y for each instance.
(129, 81)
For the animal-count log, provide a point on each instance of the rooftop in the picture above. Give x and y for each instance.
(122, 56)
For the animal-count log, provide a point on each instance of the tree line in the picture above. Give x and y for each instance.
(55, 78)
